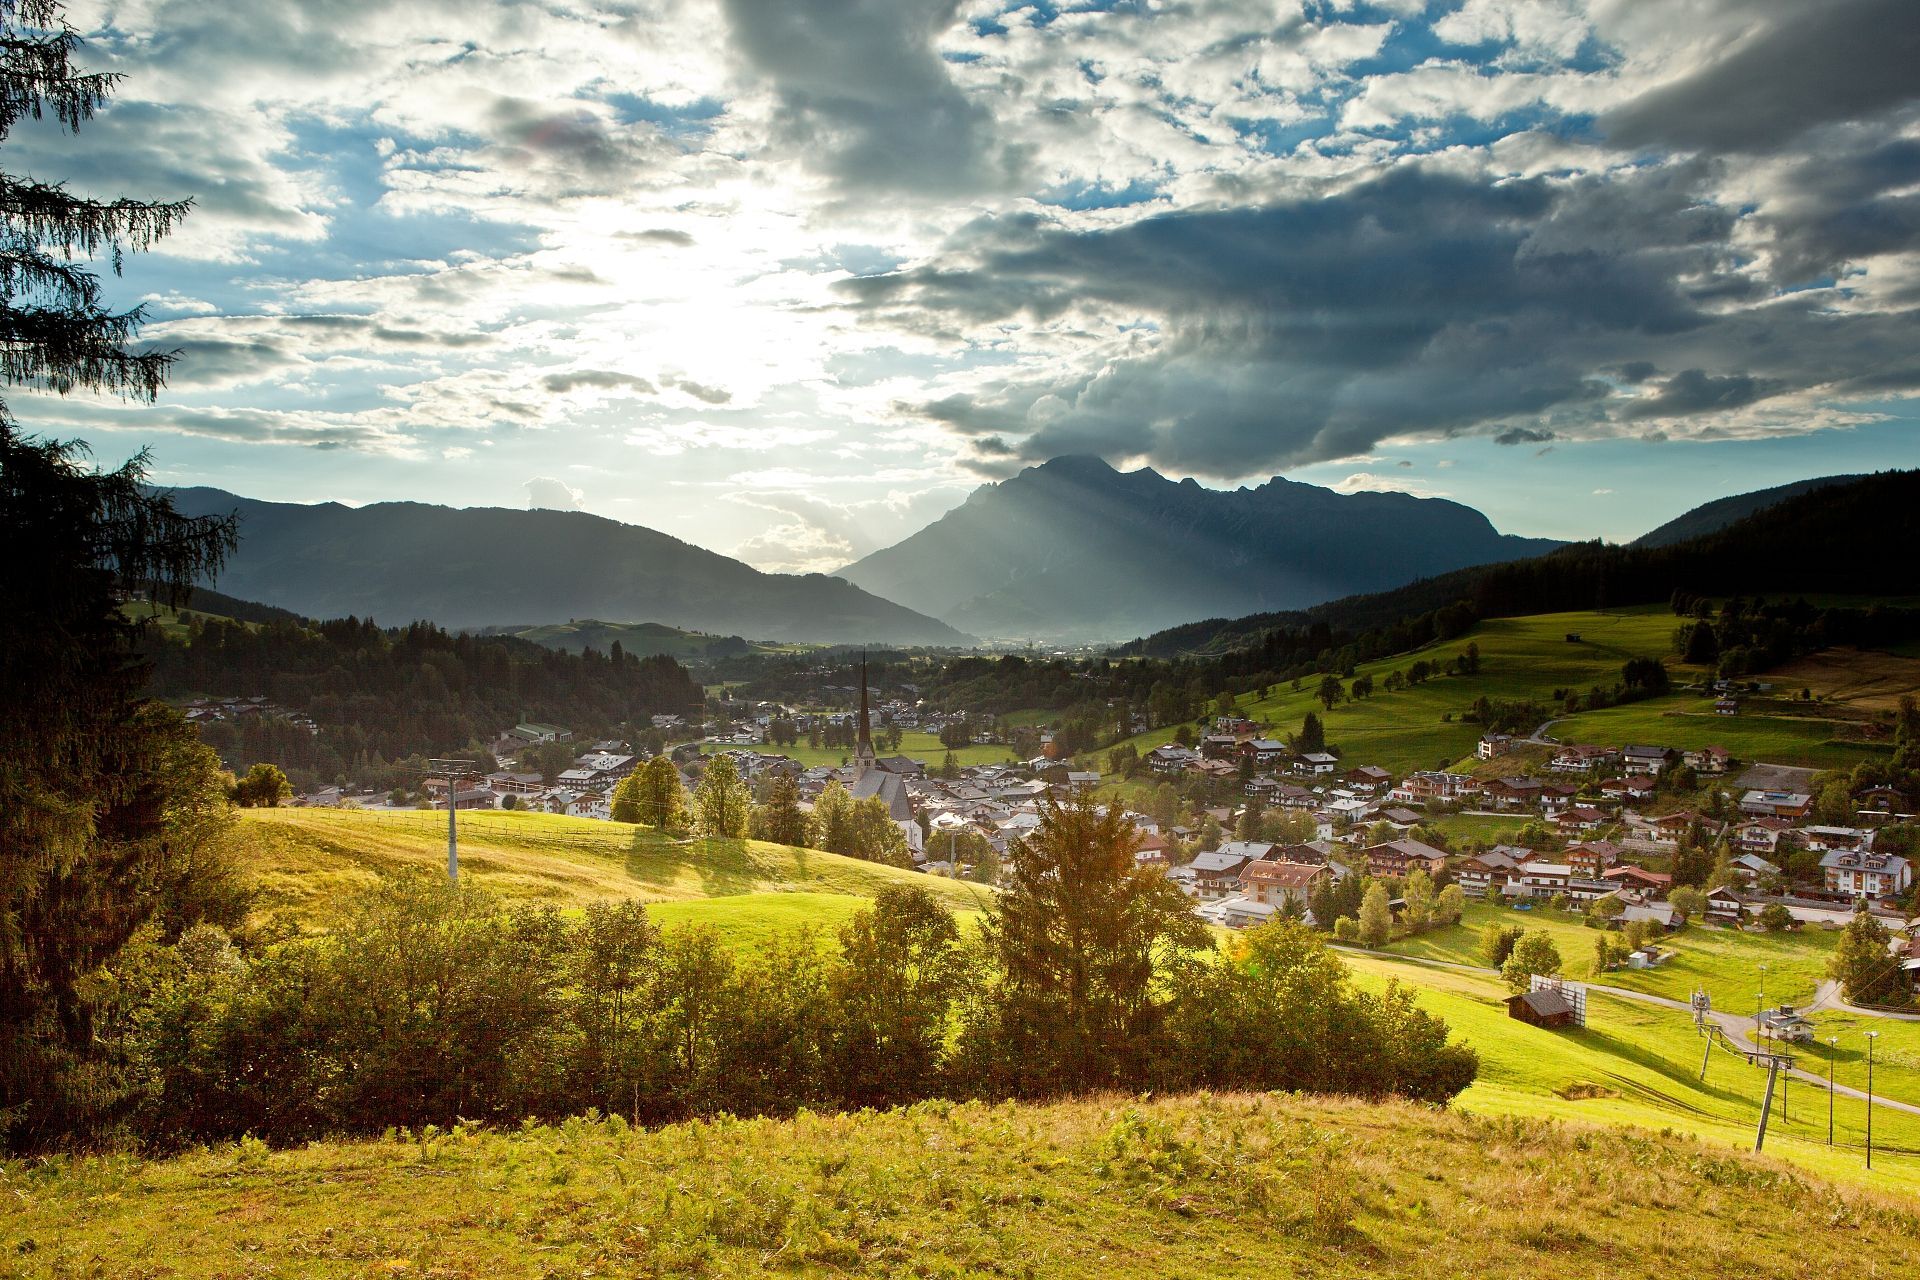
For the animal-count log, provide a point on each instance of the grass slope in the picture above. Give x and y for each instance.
(1528, 659)
(305, 860)
(1638, 1065)
(1192, 1187)
(1723, 963)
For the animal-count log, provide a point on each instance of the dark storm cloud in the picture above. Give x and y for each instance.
(1806, 64)
(1520, 435)
(862, 94)
(601, 379)
(1418, 302)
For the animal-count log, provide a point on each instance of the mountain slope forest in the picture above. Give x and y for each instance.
(1074, 549)
(379, 695)
(1834, 540)
(485, 566)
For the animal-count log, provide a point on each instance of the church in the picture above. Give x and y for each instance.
(874, 777)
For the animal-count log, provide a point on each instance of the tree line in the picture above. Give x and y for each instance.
(429, 1003)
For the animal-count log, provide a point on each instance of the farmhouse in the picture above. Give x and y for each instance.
(1398, 857)
(1866, 875)
(1480, 872)
(1277, 883)
(1647, 761)
(1543, 1008)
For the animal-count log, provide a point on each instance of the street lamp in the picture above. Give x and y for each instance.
(1833, 1047)
(1763, 988)
(1871, 1037)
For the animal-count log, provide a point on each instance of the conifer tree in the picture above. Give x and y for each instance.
(87, 782)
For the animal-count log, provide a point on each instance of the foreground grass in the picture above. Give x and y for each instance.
(1193, 1187)
(305, 862)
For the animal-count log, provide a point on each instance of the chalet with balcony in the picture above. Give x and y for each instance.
(1855, 874)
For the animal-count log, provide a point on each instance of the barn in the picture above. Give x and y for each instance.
(1545, 1008)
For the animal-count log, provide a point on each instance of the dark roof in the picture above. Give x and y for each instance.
(1547, 1004)
(889, 788)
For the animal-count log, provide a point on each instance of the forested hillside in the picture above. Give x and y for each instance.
(378, 695)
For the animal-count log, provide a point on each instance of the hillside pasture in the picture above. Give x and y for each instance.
(304, 862)
(924, 747)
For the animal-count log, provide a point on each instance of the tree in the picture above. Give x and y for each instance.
(1688, 902)
(722, 805)
(1703, 648)
(1450, 905)
(1075, 936)
(901, 966)
(1376, 917)
(627, 805)
(1346, 929)
(1608, 908)
(84, 797)
(1419, 897)
(661, 795)
(1362, 686)
(1775, 918)
(1497, 943)
(876, 836)
(833, 820)
(1533, 953)
(1861, 965)
(781, 819)
(1312, 736)
(263, 787)
(1330, 691)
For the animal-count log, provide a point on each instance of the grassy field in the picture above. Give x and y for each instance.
(1520, 658)
(1723, 963)
(1640, 1066)
(1203, 1188)
(305, 860)
(1529, 658)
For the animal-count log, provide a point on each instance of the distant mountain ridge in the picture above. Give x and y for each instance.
(1074, 549)
(475, 567)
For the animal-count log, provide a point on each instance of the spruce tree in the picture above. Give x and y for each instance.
(86, 784)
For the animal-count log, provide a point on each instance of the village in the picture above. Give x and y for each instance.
(1257, 827)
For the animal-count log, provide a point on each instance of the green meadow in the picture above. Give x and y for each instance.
(924, 747)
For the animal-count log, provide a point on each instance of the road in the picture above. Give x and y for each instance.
(1737, 1028)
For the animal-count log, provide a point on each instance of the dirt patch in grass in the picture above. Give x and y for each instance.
(1868, 679)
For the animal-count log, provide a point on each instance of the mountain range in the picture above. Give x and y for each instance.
(488, 566)
(1073, 549)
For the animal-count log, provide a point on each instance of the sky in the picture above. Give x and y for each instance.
(788, 278)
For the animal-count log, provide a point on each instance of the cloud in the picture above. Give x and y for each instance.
(596, 379)
(544, 493)
(1372, 482)
(1522, 435)
(862, 93)
(1800, 66)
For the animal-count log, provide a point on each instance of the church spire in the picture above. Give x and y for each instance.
(863, 756)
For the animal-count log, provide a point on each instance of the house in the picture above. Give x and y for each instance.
(1776, 804)
(1751, 866)
(1866, 875)
(1543, 1008)
(1239, 912)
(1287, 795)
(1726, 706)
(1882, 800)
(1825, 839)
(1647, 761)
(1709, 760)
(1495, 744)
(1369, 778)
(1398, 857)
(1513, 793)
(1170, 758)
(1582, 759)
(1724, 903)
(1216, 873)
(1670, 829)
(1579, 819)
(1782, 1023)
(1480, 872)
(1630, 790)
(1277, 883)
(528, 734)
(1266, 753)
(1538, 880)
(1426, 786)
(1590, 861)
(505, 783)
(1762, 835)
(1317, 763)
(1220, 746)
(1638, 879)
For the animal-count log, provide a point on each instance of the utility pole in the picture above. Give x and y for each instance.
(454, 770)
(1871, 1037)
(1833, 1046)
(1766, 1103)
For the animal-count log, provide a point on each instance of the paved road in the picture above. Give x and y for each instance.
(1737, 1028)
(1827, 996)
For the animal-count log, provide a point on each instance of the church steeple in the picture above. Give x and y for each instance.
(864, 760)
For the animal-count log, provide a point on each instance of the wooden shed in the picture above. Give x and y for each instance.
(1542, 1008)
